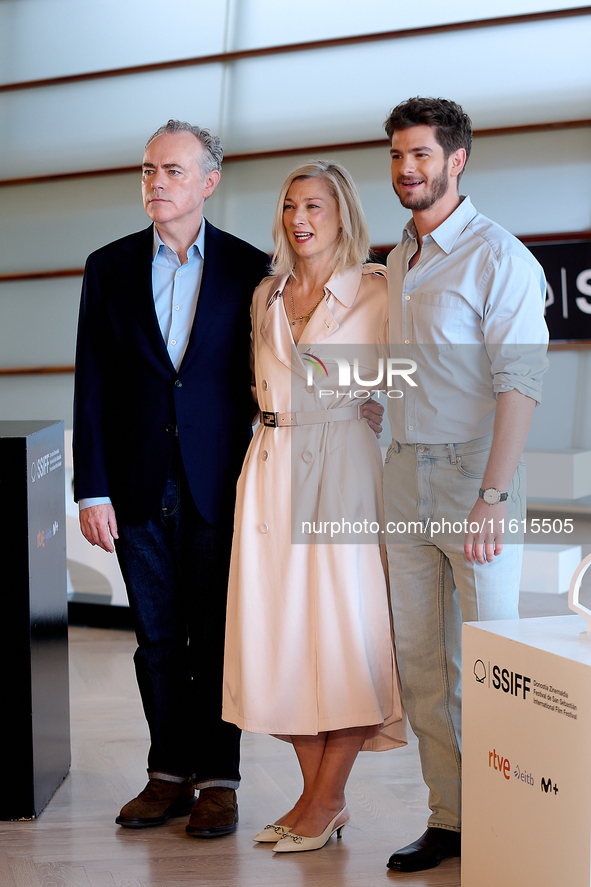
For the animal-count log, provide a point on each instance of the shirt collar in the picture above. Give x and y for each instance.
(447, 233)
(198, 243)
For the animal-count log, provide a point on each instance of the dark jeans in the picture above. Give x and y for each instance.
(176, 572)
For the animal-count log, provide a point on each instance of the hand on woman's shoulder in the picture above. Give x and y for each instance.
(375, 268)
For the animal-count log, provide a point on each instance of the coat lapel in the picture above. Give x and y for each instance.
(275, 327)
(276, 331)
(136, 271)
(214, 282)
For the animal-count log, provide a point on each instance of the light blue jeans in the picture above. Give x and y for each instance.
(434, 589)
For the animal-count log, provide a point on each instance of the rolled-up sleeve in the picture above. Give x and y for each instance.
(515, 332)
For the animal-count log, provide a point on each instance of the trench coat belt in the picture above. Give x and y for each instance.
(314, 417)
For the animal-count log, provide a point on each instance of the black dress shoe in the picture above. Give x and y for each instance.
(436, 844)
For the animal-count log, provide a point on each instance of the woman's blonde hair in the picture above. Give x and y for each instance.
(353, 241)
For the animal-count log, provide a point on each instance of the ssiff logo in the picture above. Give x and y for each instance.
(480, 671)
(510, 682)
(40, 467)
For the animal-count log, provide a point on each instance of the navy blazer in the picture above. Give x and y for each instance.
(129, 398)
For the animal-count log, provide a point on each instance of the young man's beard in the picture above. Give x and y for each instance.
(437, 189)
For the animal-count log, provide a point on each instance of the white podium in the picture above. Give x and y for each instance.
(547, 568)
(526, 818)
(558, 474)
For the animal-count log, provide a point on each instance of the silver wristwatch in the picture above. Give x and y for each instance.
(492, 496)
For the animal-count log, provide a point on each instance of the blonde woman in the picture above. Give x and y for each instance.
(309, 655)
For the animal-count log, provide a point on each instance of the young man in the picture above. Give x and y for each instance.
(164, 332)
(466, 303)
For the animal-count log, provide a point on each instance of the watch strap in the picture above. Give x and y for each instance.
(502, 496)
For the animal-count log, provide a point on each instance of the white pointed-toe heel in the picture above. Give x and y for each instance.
(291, 843)
(271, 834)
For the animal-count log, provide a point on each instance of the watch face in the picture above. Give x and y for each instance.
(491, 496)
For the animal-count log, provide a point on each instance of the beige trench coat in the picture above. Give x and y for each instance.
(308, 635)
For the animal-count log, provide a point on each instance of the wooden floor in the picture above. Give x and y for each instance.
(75, 842)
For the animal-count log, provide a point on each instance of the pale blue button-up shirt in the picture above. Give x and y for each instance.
(176, 291)
(471, 314)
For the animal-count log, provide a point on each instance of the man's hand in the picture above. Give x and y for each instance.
(373, 412)
(99, 526)
(487, 523)
(486, 528)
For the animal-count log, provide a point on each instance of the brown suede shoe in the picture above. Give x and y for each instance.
(214, 814)
(155, 805)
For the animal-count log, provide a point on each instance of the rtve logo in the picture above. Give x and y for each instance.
(498, 763)
(502, 765)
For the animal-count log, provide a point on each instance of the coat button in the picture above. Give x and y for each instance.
(264, 528)
(307, 456)
(264, 455)
(265, 385)
(170, 429)
(310, 389)
(178, 383)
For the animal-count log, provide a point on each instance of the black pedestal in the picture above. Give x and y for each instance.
(35, 723)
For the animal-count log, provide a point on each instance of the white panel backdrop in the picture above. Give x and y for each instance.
(508, 75)
(53, 38)
(272, 22)
(503, 76)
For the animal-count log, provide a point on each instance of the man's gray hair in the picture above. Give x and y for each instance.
(213, 153)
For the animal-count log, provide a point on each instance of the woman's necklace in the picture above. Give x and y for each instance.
(302, 317)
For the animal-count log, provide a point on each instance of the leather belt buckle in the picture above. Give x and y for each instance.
(269, 419)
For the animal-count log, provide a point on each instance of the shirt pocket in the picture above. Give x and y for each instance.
(438, 319)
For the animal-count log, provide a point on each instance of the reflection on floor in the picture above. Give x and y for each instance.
(75, 842)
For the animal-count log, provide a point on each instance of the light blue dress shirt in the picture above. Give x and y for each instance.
(470, 313)
(176, 292)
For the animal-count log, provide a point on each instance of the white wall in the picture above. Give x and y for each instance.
(526, 73)
(51, 38)
(530, 183)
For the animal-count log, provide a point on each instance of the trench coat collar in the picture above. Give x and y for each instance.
(275, 326)
(344, 285)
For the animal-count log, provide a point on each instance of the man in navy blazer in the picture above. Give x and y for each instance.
(162, 417)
